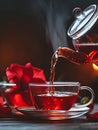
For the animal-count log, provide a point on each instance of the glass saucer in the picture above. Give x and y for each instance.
(74, 112)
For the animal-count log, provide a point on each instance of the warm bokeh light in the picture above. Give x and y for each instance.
(95, 67)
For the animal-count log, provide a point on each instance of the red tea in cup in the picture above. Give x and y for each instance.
(63, 96)
(57, 101)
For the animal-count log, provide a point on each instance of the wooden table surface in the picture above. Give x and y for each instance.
(25, 123)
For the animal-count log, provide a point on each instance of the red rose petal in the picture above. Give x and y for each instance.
(5, 111)
(21, 76)
(93, 116)
(37, 72)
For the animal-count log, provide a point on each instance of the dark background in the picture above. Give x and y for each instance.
(31, 30)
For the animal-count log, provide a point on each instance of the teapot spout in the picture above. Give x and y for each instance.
(73, 56)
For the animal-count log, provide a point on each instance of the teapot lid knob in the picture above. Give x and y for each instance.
(78, 12)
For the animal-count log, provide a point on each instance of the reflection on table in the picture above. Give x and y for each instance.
(27, 123)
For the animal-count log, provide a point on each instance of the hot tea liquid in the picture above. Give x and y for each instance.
(52, 71)
(57, 101)
(90, 49)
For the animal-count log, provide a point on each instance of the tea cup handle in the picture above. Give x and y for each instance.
(92, 96)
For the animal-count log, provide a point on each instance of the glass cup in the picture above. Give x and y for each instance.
(59, 96)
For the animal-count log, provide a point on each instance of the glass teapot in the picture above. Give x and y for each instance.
(84, 34)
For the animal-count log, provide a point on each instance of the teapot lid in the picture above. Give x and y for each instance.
(83, 22)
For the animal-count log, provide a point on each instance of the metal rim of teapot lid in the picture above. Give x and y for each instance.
(84, 21)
